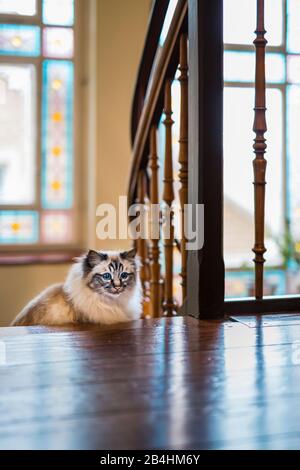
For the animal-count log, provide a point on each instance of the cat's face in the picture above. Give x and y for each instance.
(110, 274)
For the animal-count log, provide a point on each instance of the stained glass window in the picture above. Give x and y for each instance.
(36, 122)
(17, 133)
(18, 7)
(58, 42)
(18, 227)
(58, 12)
(56, 227)
(282, 236)
(57, 181)
(17, 40)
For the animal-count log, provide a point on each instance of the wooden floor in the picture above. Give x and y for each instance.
(172, 383)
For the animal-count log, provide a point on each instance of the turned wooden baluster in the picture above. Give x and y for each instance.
(183, 151)
(169, 306)
(155, 279)
(142, 247)
(259, 162)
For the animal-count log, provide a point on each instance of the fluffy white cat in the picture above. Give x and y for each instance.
(101, 287)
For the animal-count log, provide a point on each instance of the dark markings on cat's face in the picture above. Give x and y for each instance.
(110, 274)
(92, 259)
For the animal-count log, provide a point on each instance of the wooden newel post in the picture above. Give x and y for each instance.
(183, 152)
(259, 146)
(169, 306)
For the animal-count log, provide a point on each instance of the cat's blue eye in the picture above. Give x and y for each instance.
(124, 275)
(106, 276)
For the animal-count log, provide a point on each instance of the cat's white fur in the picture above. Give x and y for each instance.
(75, 302)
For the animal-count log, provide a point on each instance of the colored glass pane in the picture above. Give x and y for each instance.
(57, 135)
(18, 227)
(18, 7)
(56, 227)
(17, 133)
(58, 12)
(58, 42)
(19, 40)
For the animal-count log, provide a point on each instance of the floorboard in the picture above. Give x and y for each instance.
(175, 383)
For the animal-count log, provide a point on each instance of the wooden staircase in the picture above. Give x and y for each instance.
(192, 52)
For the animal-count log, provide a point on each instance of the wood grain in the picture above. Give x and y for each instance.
(172, 383)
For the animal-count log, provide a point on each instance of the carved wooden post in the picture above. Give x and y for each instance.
(155, 280)
(169, 305)
(259, 162)
(183, 151)
(142, 247)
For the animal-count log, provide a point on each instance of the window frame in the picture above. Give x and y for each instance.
(57, 252)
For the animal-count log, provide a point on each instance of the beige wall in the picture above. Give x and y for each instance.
(122, 28)
(18, 284)
(115, 34)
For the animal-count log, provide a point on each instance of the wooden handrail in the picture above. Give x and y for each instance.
(166, 66)
(157, 17)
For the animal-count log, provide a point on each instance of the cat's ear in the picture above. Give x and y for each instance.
(130, 255)
(95, 257)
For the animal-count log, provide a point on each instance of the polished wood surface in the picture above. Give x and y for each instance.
(170, 383)
(259, 162)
